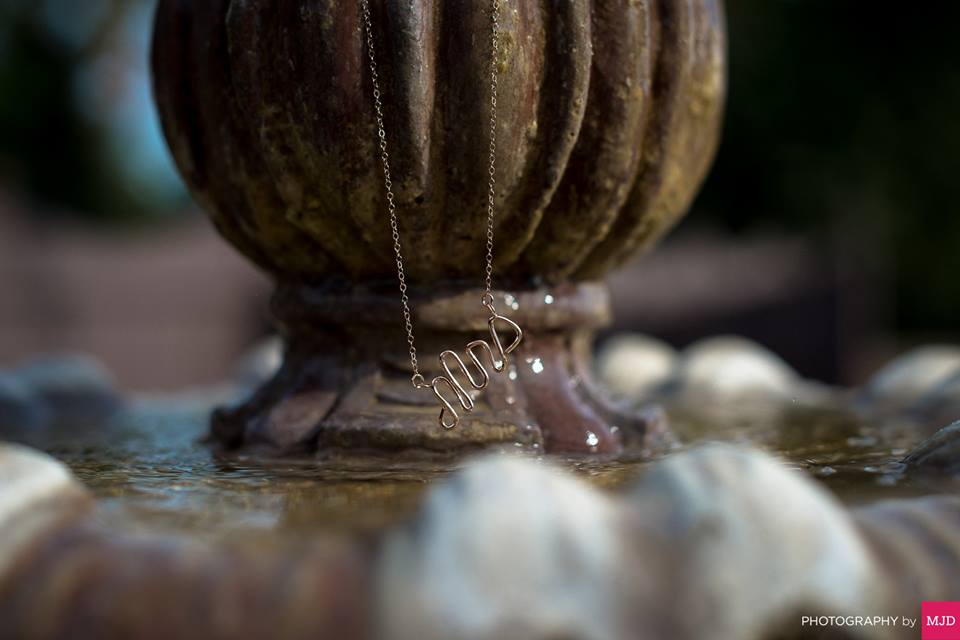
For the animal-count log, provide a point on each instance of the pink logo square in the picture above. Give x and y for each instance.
(940, 621)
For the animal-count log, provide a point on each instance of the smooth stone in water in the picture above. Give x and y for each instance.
(633, 365)
(941, 406)
(731, 541)
(509, 548)
(730, 367)
(917, 542)
(37, 493)
(74, 387)
(908, 378)
(260, 363)
(939, 454)
(19, 407)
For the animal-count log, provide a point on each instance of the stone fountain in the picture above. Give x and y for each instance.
(610, 115)
(611, 110)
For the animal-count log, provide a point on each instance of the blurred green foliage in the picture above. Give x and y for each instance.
(35, 83)
(842, 122)
(77, 129)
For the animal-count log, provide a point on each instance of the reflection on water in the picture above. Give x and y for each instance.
(151, 471)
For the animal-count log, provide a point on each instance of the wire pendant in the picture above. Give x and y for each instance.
(451, 362)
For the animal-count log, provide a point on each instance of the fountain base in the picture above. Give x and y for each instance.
(345, 381)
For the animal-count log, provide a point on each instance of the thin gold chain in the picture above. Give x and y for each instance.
(492, 184)
(487, 299)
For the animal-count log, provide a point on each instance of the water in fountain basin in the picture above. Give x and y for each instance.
(151, 471)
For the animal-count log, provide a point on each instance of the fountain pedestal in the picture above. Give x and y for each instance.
(345, 382)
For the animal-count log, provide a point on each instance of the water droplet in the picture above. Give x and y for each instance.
(548, 299)
(512, 372)
(537, 365)
(592, 439)
(510, 400)
(511, 301)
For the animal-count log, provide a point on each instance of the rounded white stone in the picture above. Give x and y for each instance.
(744, 542)
(730, 367)
(508, 548)
(36, 491)
(909, 377)
(635, 365)
(260, 362)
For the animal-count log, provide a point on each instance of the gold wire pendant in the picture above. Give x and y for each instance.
(497, 354)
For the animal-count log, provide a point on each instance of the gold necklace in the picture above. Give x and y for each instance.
(497, 354)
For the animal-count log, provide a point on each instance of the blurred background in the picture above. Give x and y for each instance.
(827, 231)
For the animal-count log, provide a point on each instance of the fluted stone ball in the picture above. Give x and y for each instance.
(608, 115)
